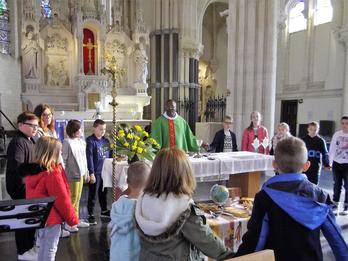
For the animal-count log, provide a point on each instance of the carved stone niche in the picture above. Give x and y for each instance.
(57, 61)
(119, 45)
(130, 101)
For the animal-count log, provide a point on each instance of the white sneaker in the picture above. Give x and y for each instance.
(64, 233)
(72, 229)
(344, 212)
(82, 224)
(30, 255)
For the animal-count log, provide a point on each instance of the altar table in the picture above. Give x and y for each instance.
(241, 169)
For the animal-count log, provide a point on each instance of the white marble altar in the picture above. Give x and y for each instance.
(54, 56)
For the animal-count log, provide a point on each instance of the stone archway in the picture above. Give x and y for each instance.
(213, 61)
(201, 13)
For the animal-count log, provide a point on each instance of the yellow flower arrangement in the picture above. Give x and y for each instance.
(133, 141)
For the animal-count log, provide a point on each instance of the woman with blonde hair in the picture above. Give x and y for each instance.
(283, 132)
(46, 178)
(170, 226)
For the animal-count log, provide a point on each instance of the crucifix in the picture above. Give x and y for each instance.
(90, 47)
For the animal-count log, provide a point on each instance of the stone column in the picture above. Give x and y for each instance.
(250, 84)
(165, 14)
(343, 34)
(251, 78)
(345, 87)
(260, 54)
(270, 67)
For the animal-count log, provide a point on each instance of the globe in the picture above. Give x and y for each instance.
(219, 194)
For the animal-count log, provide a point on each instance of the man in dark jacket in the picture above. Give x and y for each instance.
(289, 212)
(20, 150)
(225, 139)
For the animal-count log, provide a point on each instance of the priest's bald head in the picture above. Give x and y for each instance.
(170, 108)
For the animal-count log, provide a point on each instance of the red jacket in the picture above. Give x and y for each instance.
(41, 183)
(248, 138)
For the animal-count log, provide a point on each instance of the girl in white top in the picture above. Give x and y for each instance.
(74, 157)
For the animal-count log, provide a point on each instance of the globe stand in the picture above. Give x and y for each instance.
(219, 195)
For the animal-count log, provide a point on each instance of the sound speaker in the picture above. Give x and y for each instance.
(302, 130)
(327, 128)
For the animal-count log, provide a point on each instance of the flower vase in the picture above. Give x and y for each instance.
(135, 158)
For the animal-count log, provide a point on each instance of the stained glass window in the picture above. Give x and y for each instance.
(46, 8)
(4, 28)
(323, 12)
(297, 21)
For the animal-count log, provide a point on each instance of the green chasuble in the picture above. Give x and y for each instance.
(184, 138)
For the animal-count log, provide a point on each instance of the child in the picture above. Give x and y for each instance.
(283, 131)
(74, 157)
(338, 154)
(225, 139)
(20, 150)
(171, 227)
(290, 211)
(97, 150)
(46, 178)
(255, 133)
(125, 243)
(317, 152)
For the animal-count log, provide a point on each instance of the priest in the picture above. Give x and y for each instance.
(171, 130)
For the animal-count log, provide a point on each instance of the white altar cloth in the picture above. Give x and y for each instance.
(211, 167)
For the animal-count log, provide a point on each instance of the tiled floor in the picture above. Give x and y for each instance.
(92, 243)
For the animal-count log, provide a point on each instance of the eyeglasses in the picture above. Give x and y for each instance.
(228, 122)
(47, 115)
(34, 126)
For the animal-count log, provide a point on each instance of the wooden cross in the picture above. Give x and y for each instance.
(90, 46)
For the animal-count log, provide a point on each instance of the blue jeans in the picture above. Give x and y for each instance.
(340, 174)
(48, 241)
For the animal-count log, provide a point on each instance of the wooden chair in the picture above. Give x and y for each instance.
(264, 255)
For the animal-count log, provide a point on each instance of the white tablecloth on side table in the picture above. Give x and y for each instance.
(121, 174)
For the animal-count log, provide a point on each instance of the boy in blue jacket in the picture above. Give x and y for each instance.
(289, 212)
(97, 149)
(125, 244)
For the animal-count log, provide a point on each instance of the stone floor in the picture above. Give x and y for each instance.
(92, 243)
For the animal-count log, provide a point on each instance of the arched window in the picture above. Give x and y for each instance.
(323, 12)
(4, 28)
(297, 21)
(46, 9)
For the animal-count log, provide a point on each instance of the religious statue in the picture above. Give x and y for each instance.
(30, 50)
(141, 60)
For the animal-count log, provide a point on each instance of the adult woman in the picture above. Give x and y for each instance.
(254, 136)
(46, 121)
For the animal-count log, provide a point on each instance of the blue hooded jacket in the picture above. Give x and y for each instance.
(125, 244)
(304, 210)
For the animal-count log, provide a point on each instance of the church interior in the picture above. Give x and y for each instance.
(122, 60)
